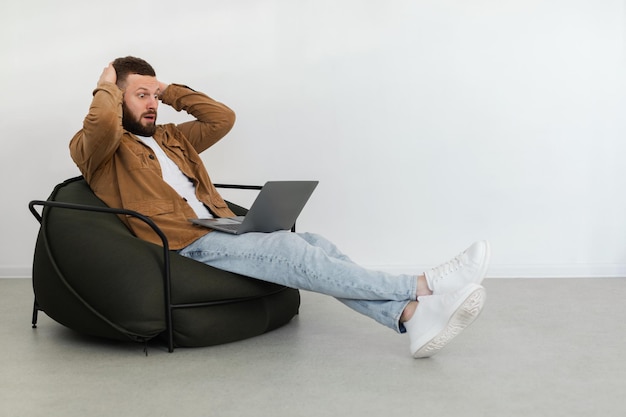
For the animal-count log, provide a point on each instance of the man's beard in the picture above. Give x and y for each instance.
(135, 127)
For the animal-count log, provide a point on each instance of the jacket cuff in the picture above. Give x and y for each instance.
(108, 87)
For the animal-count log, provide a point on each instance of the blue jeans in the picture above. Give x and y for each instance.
(310, 262)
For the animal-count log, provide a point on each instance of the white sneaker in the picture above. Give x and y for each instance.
(440, 318)
(468, 267)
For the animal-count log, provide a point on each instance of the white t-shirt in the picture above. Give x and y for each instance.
(177, 179)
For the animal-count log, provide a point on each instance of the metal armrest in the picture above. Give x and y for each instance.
(149, 222)
(239, 186)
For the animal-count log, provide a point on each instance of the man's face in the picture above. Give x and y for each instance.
(141, 100)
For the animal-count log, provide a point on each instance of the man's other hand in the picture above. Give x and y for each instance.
(108, 75)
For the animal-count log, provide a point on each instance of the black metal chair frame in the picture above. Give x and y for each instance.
(169, 306)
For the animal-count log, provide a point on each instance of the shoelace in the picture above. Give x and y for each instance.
(448, 267)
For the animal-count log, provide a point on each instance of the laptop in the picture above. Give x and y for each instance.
(277, 207)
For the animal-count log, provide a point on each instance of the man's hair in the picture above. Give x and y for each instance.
(131, 65)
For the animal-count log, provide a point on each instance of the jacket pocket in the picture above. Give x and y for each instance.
(151, 208)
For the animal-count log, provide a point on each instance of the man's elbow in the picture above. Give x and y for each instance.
(228, 121)
(230, 118)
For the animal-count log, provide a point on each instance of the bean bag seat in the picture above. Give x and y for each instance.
(91, 274)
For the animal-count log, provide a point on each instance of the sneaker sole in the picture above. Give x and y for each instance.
(464, 315)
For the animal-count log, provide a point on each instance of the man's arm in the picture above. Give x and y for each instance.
(102, 127)
(213, 119)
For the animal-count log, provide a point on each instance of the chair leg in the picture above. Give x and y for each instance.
(35, 311)
(170, 341)
(170, 331)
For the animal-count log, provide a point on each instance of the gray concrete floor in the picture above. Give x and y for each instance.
(550, 347)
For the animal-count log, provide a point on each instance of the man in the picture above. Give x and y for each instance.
(131, 162)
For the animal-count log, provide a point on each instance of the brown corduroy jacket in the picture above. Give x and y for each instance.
(124, 173)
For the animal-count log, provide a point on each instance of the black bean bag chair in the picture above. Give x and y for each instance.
(91, 274)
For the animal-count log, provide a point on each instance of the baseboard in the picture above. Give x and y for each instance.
(559, 271)
(529, 271)
(16, 271)
(495, 271)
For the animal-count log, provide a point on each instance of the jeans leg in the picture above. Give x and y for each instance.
(326, 245)
(385, 312)
(307, 262)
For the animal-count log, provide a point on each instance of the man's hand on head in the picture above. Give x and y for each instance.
(162, 87)
(108, 75)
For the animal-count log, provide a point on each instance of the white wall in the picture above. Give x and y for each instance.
(459, 119)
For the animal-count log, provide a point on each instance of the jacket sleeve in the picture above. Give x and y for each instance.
(102, 130)
(213, 119)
